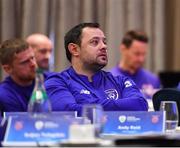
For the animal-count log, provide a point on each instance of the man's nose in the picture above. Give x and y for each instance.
(104, 46)
(141, 58)
(33, 62)
(48, 55)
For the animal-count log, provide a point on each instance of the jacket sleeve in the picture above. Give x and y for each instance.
(11, 101)
(131, 97)
(60, 97)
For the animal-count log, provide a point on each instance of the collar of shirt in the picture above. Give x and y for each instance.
(96, 79)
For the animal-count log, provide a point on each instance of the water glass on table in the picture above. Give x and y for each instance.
(94, 114)
(171, 111)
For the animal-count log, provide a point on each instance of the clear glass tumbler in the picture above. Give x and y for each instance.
(170, 107)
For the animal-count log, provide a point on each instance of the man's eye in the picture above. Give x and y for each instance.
(105, 42)
(24, 62)
(43, 51)
(94, 42)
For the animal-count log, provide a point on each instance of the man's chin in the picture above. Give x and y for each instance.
(103, 62)
(31, 78)
(136, 68)
(28, 80)
(102, 65)
(43, 65)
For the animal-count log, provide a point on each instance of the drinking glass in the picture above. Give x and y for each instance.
(94, 114)
(171, 110)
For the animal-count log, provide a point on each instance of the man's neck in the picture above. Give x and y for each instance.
(127, 68)
(83, 71)
(22, 83)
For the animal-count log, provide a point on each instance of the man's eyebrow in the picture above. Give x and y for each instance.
(44, 48)
(97, 37)
(25, 60)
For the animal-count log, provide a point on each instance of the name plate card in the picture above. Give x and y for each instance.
(27, 130)
(140, 122)
(52, 114)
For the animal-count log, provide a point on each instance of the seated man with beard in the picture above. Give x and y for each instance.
(84, 82)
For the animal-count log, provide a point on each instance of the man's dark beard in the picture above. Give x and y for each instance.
(28, 79)
(94, 67)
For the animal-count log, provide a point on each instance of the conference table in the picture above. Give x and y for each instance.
(132, 141)
(140, 140)
(150, 140)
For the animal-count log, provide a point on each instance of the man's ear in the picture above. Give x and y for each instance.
(7, 68)
(73, 49)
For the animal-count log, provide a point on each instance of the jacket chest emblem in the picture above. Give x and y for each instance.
(112, 94)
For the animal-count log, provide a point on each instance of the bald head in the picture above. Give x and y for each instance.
(42, 46)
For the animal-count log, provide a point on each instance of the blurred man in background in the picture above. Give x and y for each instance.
(42, 46)
(133, 50)
(18, 61)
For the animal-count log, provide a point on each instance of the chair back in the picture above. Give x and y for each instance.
(166, 94)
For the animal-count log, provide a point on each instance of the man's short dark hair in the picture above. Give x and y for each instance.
(74, 36)
(132, 35)
(11, 47)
